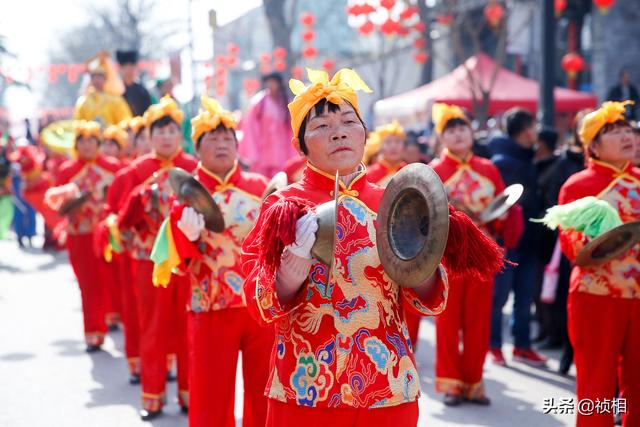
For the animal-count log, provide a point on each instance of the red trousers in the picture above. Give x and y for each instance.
(129, 312)
(289, 414)
(467, 318)
(161, 311)
(605, 333)
(110, 272)
(93, 292)
(216, 338)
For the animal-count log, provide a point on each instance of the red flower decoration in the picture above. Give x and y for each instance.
(309, 52)
(388, 4)
(367, 28)
(279, 52)
(307, 19)
(308, 35)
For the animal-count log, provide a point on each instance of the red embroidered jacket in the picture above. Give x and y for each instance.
(619, 278)
(216, 276)
(381, 172)
(148, 201)
(345, 344)
(93, 177)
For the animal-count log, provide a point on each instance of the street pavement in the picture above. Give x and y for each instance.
(47, 379)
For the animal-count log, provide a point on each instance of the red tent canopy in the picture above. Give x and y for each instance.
(509, 90)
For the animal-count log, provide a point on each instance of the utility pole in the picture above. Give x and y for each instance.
(546, 111)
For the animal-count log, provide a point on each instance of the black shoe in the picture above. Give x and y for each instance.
(482, 401)
(93, 348)
(134, 379)
(149, 415)
(184, 409)
(452, 399)
(171, 377)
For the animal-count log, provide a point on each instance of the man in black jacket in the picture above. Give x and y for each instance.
(135, 94)
(513, 155)
(623, 91)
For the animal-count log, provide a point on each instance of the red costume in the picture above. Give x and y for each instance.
(36, 181)
(604, 301)
(381, 172)
(341, 349)
(220, 325)
(122, 266)
(471, 185)
(93, 177)
(162, 311)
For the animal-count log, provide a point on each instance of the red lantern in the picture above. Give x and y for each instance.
(419, 43)
(280, 65)
(366, 9)
(61, 68)
(409, 12)
(73, 73)
(232, 61)
(572, 63)
(389, 27)
(493, 13)
(420, 27)
(53, 75)
(367, 28)
(220, 60)
(308, 35)
(328, 64)
(307, 19)
(251, 86)
(559, 6)
(403, 31)
(296, 72)
(265, 68)
(233, 48)
(309, 52)
(604, 5)
(221, 72)
(388, 4)
(265, 58)
(280, 53)
(421, 57)
(446, 19)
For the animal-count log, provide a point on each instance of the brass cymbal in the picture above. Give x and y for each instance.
(413, 225)
(609, 245)
(502, 203)
(192, 193)
(278, 182)
(324, 246)
(71, 205)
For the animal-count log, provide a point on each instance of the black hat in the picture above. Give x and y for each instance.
(548, 137)
(127, 57)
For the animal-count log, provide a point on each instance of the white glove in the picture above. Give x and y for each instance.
(191, 223)
(306, 228)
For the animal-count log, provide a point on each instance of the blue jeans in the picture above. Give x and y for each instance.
(522, 279)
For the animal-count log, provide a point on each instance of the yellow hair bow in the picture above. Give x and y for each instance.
(342, 87)
(210, 117)
(136, 123)
(441, 113)
(117, 134)
(87, 129)
(609, 112)
(374, 141)
(166, 107)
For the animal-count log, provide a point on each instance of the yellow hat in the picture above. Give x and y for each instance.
(342, 87)
(592, 123)
(210, 117)
(101, 64)
(87, 129)
(136, 123)
(117, 134)
(441, 113)
(166, 107)
(375, 138)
